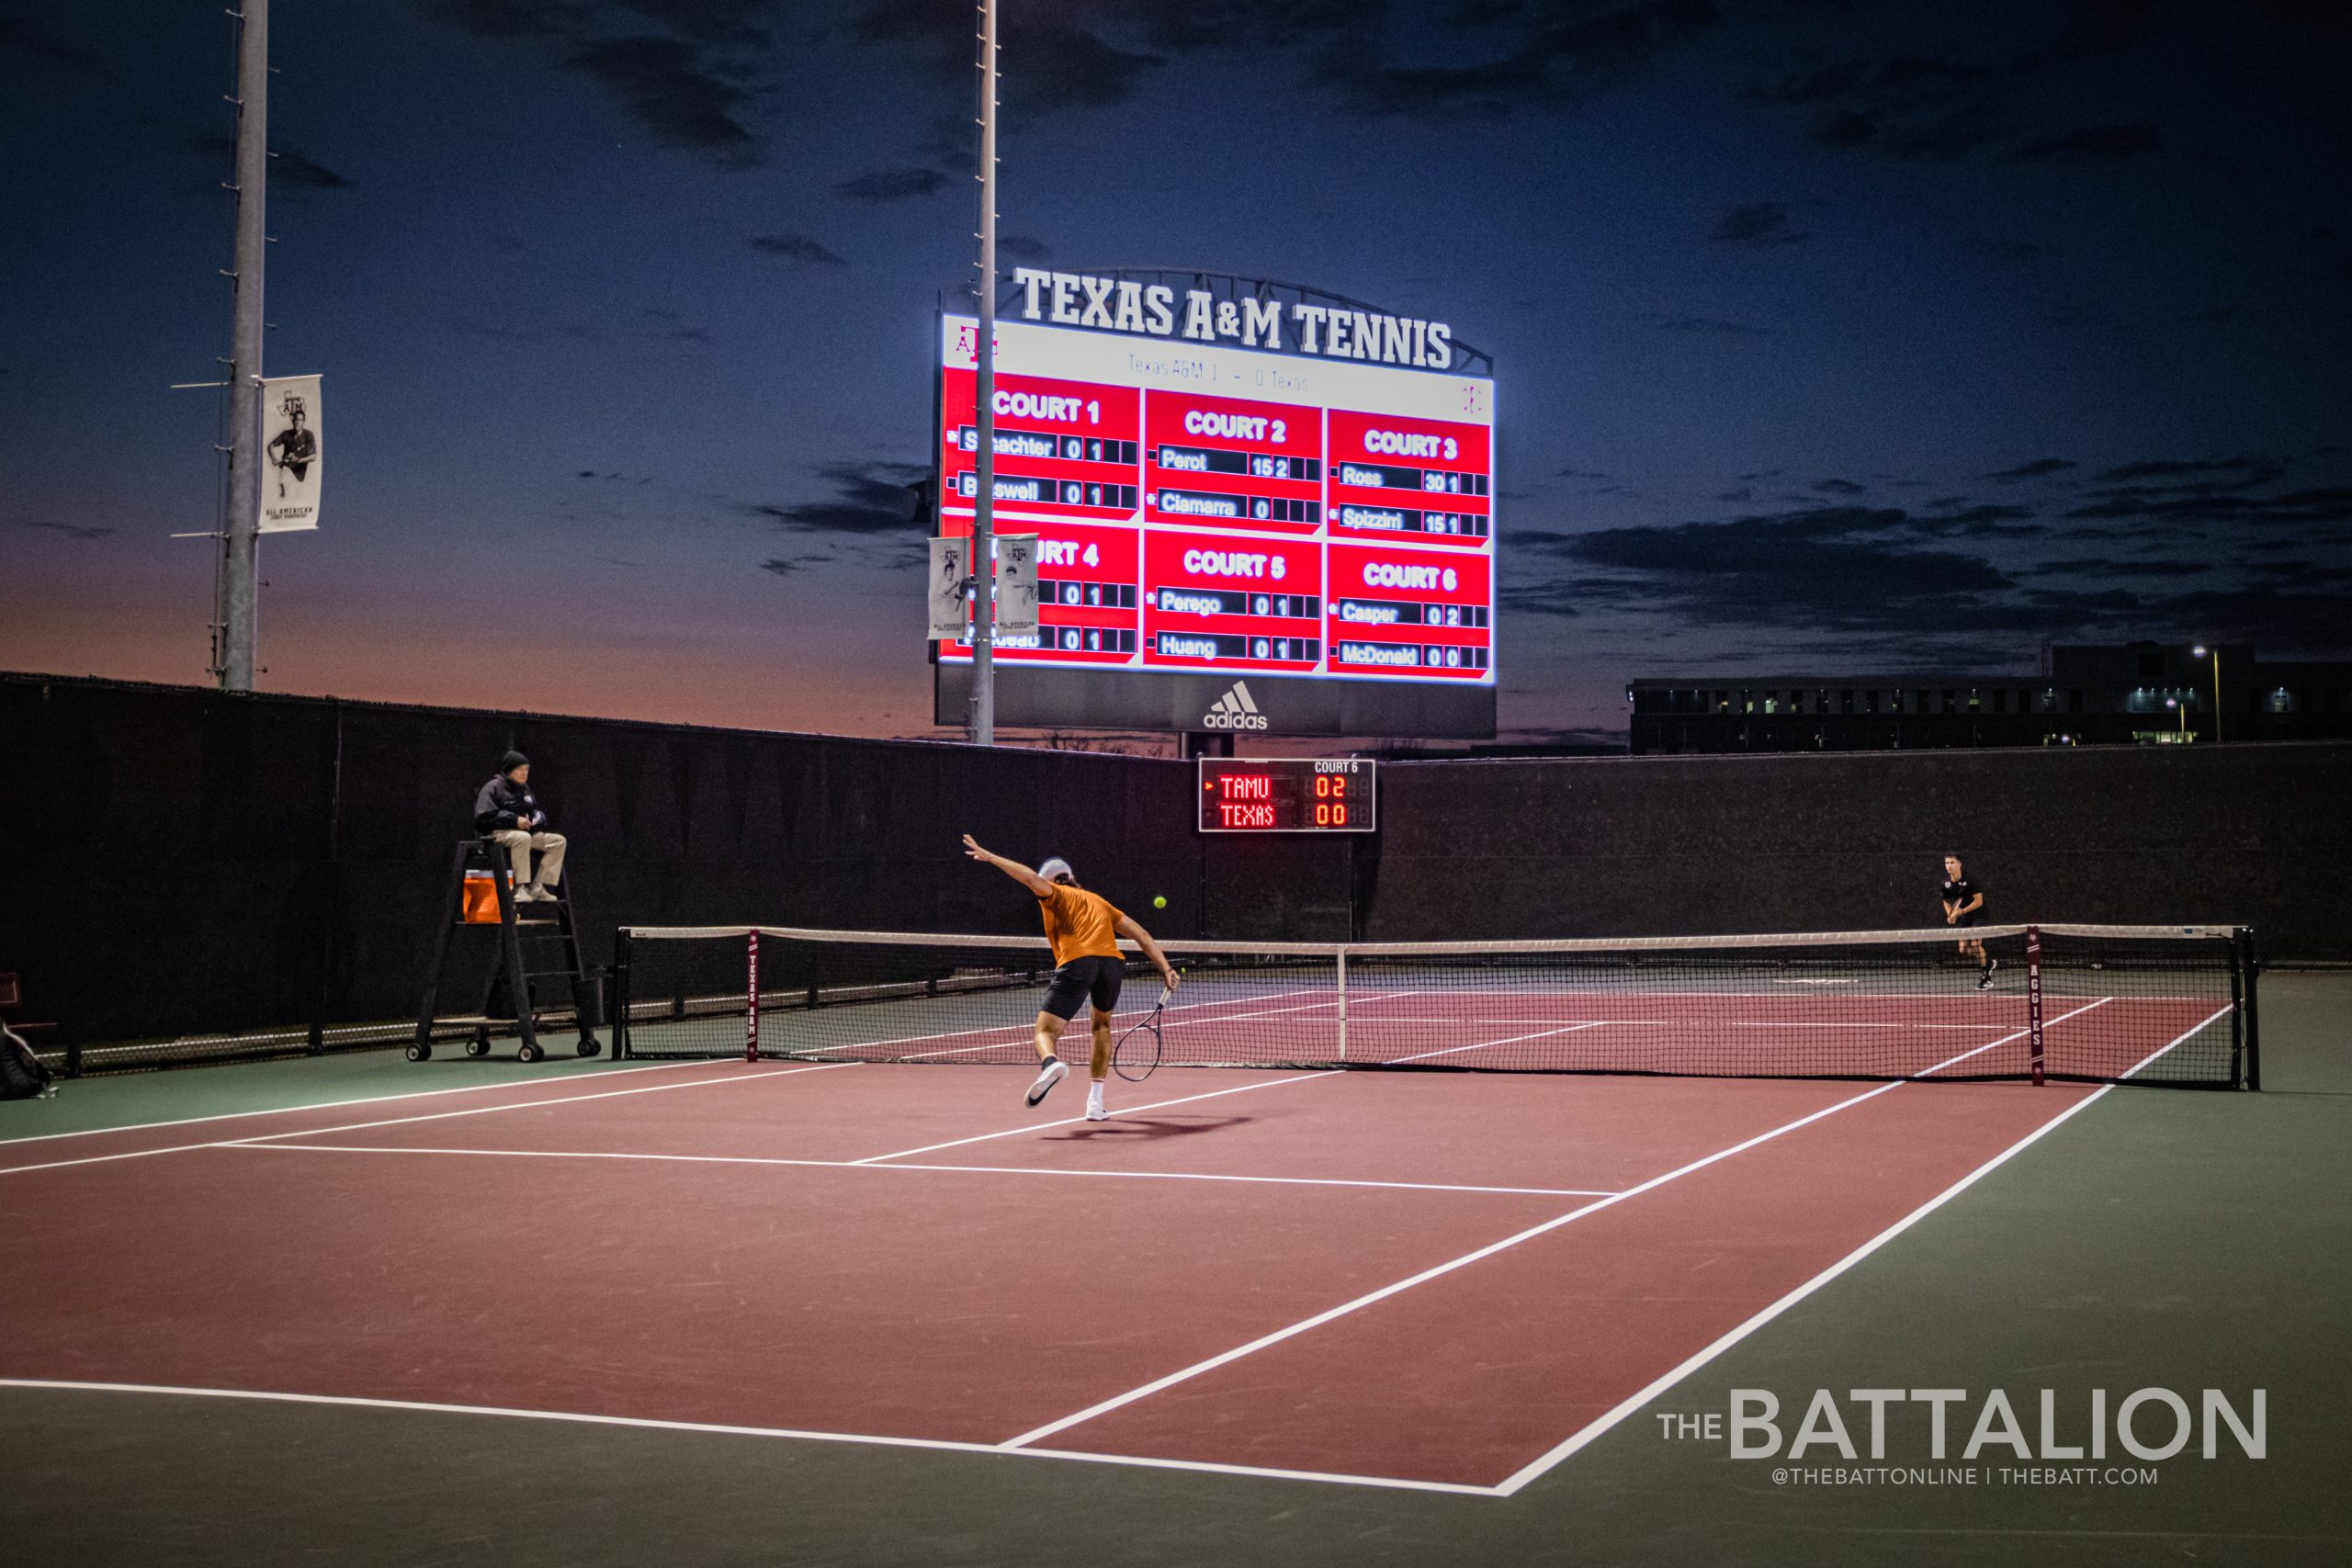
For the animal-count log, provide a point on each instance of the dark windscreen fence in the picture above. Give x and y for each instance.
(2092, 1004)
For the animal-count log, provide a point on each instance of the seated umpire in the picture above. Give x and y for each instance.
(507, 811)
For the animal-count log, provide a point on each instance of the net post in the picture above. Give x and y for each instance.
(751, 1010)
(620, 994)
(2244, 973)
(2033, 997)
(1342, 978)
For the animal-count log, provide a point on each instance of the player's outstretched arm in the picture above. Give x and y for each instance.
(1011, 868)
(1142, 938)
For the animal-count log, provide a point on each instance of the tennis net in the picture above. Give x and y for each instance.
(2102, 1004)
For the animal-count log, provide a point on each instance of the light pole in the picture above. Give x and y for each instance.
(984, 409)
(2199, 652)
(2177, 702)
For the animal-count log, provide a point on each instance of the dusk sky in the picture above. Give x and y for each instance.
(1827, 336)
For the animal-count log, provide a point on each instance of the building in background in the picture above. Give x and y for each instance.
(2143, 692)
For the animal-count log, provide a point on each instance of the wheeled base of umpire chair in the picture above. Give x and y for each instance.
(510, 981)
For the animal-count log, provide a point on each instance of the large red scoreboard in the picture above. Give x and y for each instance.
(1208, 512)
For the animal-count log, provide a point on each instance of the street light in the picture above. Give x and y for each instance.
(2199, 652)
(2177, 702)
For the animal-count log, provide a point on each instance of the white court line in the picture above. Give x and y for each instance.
(1586, 1434)
(2222, 1012)
(400, 1120)
(1124, 1110)
(1447, 1268)
(1459, 1022)
(936, 1444)
(1197, 1367)
(2017, 1034)
(1506, 1488)
(952, 1169)
(1483, 1044)
(1024, 1032)
(339, 1104)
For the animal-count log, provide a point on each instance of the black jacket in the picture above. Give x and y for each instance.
(503, 804)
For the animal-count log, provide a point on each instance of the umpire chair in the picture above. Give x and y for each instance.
(547, 931)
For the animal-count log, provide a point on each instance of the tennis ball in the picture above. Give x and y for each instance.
(1159, 900)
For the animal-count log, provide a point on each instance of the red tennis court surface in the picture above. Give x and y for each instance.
(1445, 1281)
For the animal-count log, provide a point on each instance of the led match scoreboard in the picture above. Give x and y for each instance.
(1288, 794)
(1229, 538)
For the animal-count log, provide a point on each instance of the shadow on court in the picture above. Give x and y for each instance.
(1148, 1127)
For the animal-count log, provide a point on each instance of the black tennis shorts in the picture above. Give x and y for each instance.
(1084, 978)
(1973, 918)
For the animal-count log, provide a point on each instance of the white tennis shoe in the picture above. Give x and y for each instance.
(1094, 1111)
(1052, 1074)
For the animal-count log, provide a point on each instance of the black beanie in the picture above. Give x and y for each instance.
(514, 760)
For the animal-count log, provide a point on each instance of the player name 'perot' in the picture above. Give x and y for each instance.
(1077, 300)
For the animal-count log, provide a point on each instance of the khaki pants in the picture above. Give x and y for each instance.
(519, 846)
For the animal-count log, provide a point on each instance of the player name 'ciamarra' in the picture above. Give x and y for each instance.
(1079, 300)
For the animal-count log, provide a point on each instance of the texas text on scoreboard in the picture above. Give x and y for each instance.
(1323, 530)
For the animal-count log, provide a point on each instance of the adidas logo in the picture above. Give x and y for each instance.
(1234, 711)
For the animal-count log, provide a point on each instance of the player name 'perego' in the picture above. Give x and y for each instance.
(1079, 299)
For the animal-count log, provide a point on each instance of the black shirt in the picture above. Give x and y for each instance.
(502, 805)
(1963, 892)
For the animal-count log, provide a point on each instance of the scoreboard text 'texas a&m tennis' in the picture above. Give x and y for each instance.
(1221, 514)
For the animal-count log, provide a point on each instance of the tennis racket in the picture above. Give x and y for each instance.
(1139, 1050)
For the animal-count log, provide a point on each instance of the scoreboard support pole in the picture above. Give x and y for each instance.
(984, 409)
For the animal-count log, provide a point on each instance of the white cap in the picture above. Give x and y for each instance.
(1057, 870)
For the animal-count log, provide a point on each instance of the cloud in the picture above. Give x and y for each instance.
(2101, 566)
(1025, 247)
(1843, 566)
(2040, 468)
(2305, 570)
(2246, 470)
(28, 39)
(1840, 487)
(1977, 522)
(1063, 62)
(1760, 226)
(711, 21)
(801, 248)
(892, 184)
(504, 18)
(672, 91)
(784, 566)
(1913, 107)
(286, 166)
(867, 499)
(1583, 474)
(678, 328)
(1538, 52)
(2096, 144)
(2297, 508)
(1853, 577)
(84, 531)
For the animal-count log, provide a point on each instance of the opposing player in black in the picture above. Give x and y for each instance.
(1964, 907)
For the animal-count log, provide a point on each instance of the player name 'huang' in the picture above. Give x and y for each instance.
(1079, 299)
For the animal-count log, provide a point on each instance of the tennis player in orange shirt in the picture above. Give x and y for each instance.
(1084, 929)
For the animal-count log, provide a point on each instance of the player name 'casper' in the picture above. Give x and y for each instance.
(1079, 299)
